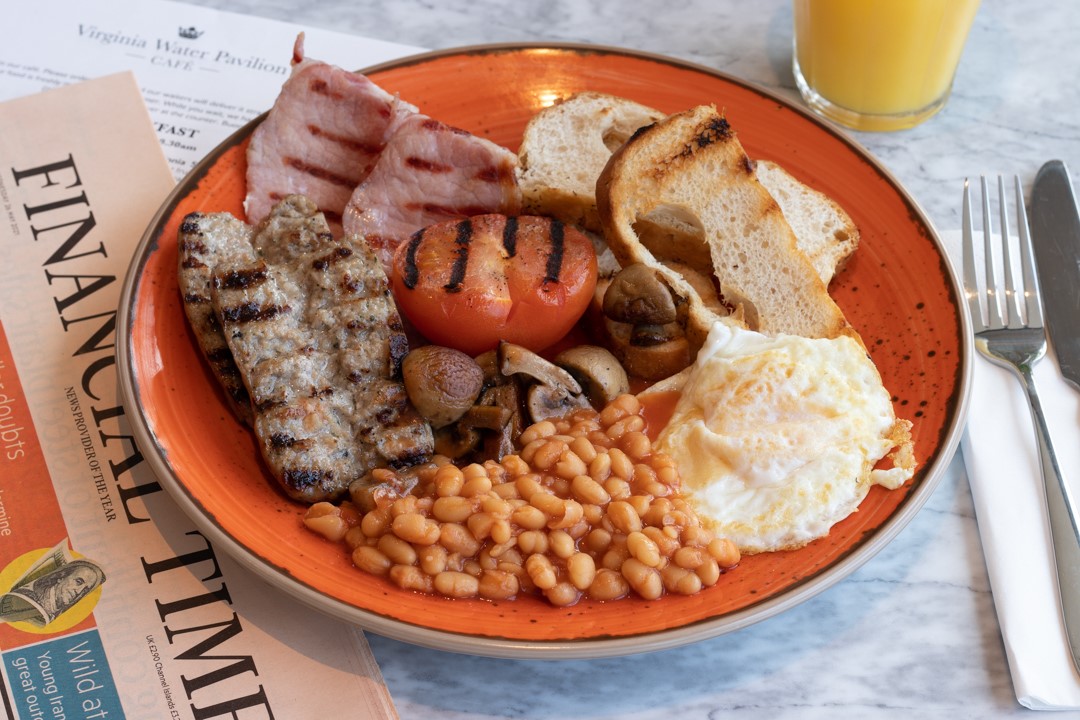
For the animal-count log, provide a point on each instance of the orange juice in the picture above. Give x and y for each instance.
(879, 64)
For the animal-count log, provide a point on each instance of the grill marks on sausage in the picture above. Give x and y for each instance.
(281, 441)
(205, 241)
(315, 335)
(336, 255)
(251, 312)
(304, 480)
(399, 348)
(236, 279)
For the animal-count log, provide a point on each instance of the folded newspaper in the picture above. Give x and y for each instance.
(112, 604)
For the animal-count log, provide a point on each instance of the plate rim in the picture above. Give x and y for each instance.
(586, 648)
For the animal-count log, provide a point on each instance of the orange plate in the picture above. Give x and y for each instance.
(897, 290)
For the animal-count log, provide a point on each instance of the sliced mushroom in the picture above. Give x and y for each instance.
(498, 445)
(486, 417)
(455, 441)
(553, 401)
(554, 393)
(514, 359)
(442, 383)
(496, 429)
(489, 364)
(487, 430)
(599, 373)
(507, 396)
(637, 296)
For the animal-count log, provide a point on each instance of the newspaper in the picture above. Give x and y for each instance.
(203, 72)
(112, 604)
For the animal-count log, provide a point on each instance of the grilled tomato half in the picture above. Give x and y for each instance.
(470, 283)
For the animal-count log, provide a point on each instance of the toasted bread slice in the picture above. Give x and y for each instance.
(565, 147)
(691, 167)
(823, 231)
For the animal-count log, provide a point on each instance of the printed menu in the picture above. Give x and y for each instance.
(112, 604)
(203, 73)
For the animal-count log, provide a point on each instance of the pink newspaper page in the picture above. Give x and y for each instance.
(112, 604)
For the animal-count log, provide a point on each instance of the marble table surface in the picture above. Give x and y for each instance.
(912, 633)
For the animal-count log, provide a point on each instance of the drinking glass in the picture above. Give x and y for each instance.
(879, 64)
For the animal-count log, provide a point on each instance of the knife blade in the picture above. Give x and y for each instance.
(1054, 226)
(1055, 235)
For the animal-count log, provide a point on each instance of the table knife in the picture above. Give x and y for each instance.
(1055, 235)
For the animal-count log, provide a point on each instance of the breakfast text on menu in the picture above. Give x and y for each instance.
(112, 603)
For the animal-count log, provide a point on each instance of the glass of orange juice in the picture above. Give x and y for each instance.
(879, 64)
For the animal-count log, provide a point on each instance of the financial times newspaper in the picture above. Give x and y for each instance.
(112, 604)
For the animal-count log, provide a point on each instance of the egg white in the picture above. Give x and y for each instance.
(777, 436)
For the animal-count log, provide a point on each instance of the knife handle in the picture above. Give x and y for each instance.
(1064, 530)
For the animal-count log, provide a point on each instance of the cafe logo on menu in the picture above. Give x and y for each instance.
(183, 56)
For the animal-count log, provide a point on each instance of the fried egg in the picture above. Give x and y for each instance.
(777, 437)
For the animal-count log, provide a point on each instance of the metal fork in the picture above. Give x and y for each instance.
(1016, 340)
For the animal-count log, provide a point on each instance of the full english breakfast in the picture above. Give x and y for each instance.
(606, 365)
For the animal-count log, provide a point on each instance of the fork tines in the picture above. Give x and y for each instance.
(1004, 311)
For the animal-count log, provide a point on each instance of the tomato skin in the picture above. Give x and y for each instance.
(468, 284)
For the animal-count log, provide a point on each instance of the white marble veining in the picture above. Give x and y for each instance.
(911, 634)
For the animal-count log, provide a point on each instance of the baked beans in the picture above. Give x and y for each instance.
(586, 508)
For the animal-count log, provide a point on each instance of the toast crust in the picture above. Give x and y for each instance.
(823, 230)
(564, 148)
(691, 167)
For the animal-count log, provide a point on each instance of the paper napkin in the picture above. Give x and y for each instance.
(1003, 469)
